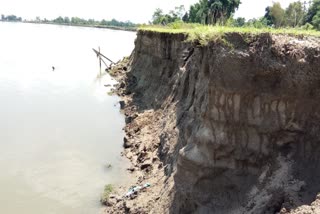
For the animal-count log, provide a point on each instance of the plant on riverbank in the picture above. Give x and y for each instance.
(108, 189)
(205, 34)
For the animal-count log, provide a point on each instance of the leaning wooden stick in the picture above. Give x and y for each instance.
(100, 54)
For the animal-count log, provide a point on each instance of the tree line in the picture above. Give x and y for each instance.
(11, 18)
(92, 22)
(73, 21)
(301, 14)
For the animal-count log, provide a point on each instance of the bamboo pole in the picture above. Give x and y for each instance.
(100, 54)
(100, 60)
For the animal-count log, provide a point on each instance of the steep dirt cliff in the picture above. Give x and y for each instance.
(229, 127)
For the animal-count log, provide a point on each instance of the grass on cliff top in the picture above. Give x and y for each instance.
(204, 33)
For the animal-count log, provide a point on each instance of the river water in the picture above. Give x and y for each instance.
(58, 129)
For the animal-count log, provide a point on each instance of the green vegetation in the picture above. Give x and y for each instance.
(76, 21)
(108, 189)
(174, 15)
(298, 14)
(11, 18)
(203, 34)
(91, 22)
(204, 12)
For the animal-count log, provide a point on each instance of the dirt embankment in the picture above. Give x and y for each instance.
(230, 127)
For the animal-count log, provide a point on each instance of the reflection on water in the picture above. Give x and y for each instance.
(58, 129)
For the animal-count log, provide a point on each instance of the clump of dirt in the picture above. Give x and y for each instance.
(222, 128)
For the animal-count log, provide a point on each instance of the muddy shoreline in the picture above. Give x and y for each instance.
(146, 168)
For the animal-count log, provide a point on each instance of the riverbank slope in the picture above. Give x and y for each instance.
(230, 126)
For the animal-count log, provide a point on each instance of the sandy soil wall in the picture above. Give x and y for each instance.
(233, 125)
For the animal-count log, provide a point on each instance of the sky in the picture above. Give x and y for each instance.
(138, 11)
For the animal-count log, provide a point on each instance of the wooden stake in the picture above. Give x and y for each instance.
(100, 54)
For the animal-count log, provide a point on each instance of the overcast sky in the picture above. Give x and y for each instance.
(139, 11)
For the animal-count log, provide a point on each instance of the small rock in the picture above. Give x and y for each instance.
(122, 85)
(126, 143)
(131, 169)
(133, 196)
(122, 104)
(146, 165)
(129, 155)
(160, 165)
(129, 119)
(119, 199)
(136, 129)
(110, 202)
(112, 196)
(128, 92)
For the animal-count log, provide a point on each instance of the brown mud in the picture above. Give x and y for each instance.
(230, 127)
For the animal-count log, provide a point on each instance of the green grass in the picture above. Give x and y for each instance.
(204, 34)
(108, 189)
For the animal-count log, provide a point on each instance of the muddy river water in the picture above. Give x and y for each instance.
(58, 129)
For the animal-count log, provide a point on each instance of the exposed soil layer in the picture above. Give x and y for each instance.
(230, 127)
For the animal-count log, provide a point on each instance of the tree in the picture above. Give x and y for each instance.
(158, 16)
(312, 11)
(316, 20)
(172, 16)
(66, 20)
(277, 14)
(268, 16)
(185, 17)
(294, 14)
(180, 11)
(194, 16)
(77, 21)
(221, 10)
(313, 14)
(239, 22)
(212, 11)
(177, 14)
(58, 20)
(257, 23)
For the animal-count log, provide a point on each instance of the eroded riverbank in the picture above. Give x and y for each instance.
(229, 127)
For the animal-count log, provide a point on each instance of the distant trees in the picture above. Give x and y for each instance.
(313, 15)
(195, 16)
(11, 18)
(220, 10)
(294, 14)
(240, 21)
(204, 12)
(79, 21)
(297, 14)
(314, 8)
(117, 23)
(92, 22)
(178, 14)
(300, 14)
(212, 11)
(277, 14)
